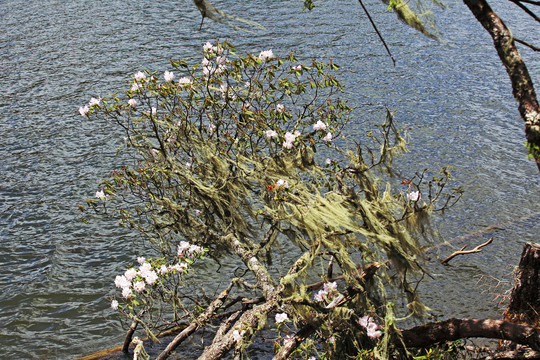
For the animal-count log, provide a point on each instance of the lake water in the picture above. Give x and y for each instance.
(56, 273)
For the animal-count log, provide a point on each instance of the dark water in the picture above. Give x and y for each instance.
(56, 272)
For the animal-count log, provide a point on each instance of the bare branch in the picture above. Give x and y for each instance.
(463, 251)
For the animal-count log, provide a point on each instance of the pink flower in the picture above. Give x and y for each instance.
(282, 183)
(281, 318)
(114, 304)
(327, 138)
(83, 110)
(280, 108)
(94, 101)
(132, 103)
(373, 331)
(271, 134)
(135, 86)
(319, 126)
(413, 196)
(139, 76)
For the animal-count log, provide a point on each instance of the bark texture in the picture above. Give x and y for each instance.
(453, 329)
(522, 84)
(524, 306)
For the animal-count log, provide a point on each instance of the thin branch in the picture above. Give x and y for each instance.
(463, 251)
(524, 8)
(527, 44)
(532, 2)
(377, 31)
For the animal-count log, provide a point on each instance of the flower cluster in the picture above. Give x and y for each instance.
(266, 55)
(84, 110)
(185, 249)
(328, 291)
(290, 138)
(371, 327)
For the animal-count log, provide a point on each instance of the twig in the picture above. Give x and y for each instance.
(377, 31)
(463, 251)
(527, 44)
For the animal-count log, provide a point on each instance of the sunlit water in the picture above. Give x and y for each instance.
(56, 273)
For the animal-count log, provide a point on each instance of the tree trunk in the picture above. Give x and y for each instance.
(522, 84)
(524, 307)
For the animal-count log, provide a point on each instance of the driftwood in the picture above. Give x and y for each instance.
(463, 251)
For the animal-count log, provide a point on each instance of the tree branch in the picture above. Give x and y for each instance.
(453, 329)
(463, 251)
(522, 85)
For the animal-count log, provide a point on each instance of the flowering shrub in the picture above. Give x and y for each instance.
(243, 155)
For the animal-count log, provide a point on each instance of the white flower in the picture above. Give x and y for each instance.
(114, 304)
(120, 281)
(237, 335)
(139, 76)
(280, 108)
(413, 196)
(221, 60)
(266, 55)
(281, 318)
(141, 260)
(139, 286)
(194, 250)
(154, 111)
(83, 110)
(328, 161)
(183, 248)
(135, 86)
(150, 277)
(100, 195)
(130, 274)
(282, 183)
(319, 126)
(126, 292)
(184, 81)
(327, 138)
(155, 152)
(94, 101)
(297, 67)
(163, 270)
(168, 76)
(198, 212)
(145, 266)
(132, 103)
(208, 47)
(271, 134)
